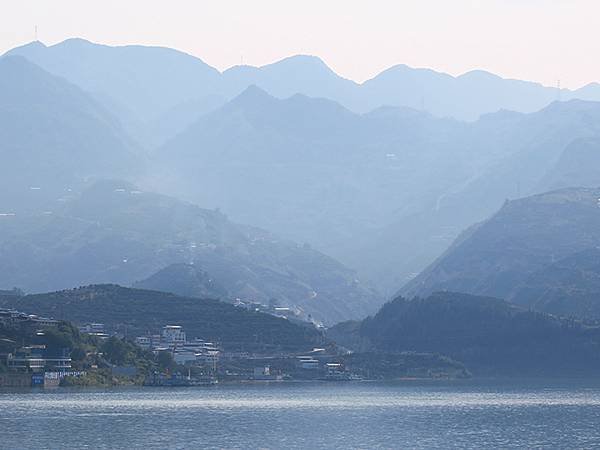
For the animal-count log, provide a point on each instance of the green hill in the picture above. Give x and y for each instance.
(134, 312)
(568, 287)
(186, 280)
(490, 336)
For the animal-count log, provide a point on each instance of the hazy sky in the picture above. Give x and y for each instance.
(540, 40)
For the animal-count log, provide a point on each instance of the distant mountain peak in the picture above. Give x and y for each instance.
(302, 66)
(408, 70)
(479, 74)
(187, 280)
(77, 41)
(303, 59)
(290, 61)
(34, 47)
(26, 48)
(252, 96)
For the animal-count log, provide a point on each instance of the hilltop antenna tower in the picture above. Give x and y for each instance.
(558, 91)
(36, 34)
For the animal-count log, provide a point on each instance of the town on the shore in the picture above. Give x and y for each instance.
(189, 362)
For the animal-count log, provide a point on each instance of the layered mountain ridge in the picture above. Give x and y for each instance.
(148, 81)
(54, 137)
(115, 233)
(539, 251)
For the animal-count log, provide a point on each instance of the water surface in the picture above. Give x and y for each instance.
(467, 414)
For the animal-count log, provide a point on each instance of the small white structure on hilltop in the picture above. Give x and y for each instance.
(173, 335)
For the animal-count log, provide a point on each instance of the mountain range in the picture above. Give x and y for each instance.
(53, 137)
(144, 83)
(384, 192)
(383, 176)
(113, 232)
(531, 149)
(139, 84)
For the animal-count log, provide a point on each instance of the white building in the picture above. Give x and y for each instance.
(173, 335)
(184, 357)
(144, 341)
(92, 328)
(308, 362)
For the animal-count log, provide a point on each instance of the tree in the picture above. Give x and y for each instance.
(116, 351)
(56, 339)
(165, 360)
(78, 354)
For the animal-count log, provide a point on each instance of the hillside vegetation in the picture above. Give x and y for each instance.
(539, 251)
(490, 336)
(115, 233)
(135, 312)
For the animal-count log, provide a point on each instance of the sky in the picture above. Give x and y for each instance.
(536, 40)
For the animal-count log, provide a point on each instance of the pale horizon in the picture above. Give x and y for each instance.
(356, 42)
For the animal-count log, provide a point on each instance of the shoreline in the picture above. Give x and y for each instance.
(465, 382)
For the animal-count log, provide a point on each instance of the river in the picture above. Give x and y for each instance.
(444, 414)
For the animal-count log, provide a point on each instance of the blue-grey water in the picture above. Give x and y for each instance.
(322, 415)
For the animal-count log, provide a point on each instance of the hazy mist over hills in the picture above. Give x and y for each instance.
(334, 175)
(53, 136)
(138, 83)
(531, 146)
(382, 176)
(142, 84)
(385, 192)
(115, 233)
(539, 251)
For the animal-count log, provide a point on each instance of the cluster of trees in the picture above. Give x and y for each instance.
(85, 350)
(488, 335)
(121, 352)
